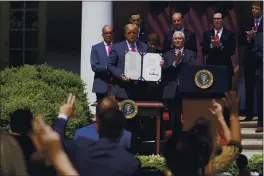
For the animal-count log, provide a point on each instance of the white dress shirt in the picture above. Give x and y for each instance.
(220, 32)
(129, 46)
(106, 47)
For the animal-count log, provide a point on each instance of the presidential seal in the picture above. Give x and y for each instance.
(203, 79)
(129, 108)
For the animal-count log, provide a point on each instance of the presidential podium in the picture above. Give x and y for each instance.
(199, 85)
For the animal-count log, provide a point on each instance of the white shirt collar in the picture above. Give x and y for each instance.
(106, 43)
(129, 45)
(180, 49)
(259, 19)
(220, 31)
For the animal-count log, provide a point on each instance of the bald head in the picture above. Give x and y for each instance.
(106, 104)
(177, 21)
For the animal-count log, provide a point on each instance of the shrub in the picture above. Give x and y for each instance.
(42, 89)
(255, 164)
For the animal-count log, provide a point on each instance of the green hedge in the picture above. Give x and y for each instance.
(42, 89)
(255, 163)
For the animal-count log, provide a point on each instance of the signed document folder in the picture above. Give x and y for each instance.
(143, 66)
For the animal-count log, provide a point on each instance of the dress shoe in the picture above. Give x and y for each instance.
(259, 130)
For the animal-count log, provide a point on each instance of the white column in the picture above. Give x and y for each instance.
(94, 16)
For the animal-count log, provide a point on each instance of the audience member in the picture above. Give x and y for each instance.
(12, 159)
(242, 163)
(91, 131)
(103, 157)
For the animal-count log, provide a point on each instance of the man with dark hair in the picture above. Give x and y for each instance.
(91, 131)
(177, 23)
(103, 157)
(251, 62)
(135, 18)
(219, 44)
(185, 154)
(20, 124)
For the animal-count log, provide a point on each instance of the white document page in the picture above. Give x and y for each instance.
(151, 67)
(132, 65)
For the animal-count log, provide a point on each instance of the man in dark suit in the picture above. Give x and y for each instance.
(99, 60)
(123, 86)
(258, 55)
(250, 61)
(173, 60)
(103, 157)
(219, 44)
(190, 39)
(91, 131)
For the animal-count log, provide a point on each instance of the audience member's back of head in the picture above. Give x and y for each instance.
(111, 124)
(106, 104)
(242, 161)
(20, 122)
(184, 154)
(202, 127)
(12, 159)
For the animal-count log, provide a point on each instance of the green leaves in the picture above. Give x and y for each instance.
(42, 89)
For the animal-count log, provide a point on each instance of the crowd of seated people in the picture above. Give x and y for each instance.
(35, 148)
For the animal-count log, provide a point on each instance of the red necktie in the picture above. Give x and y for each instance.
(109, 48)
(256, 25)
(217, 35)
(132, 48)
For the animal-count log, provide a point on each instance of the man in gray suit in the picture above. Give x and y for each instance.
(173, 60)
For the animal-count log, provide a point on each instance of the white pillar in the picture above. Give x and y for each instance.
(94, 16)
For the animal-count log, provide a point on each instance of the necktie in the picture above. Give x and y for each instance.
(217, 36)
(132, 48)
(256, 25)
(109, 47)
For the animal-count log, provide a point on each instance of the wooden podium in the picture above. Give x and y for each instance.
(196, 98)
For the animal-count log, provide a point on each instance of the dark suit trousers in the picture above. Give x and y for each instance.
(100, 96)
(175, 110)
(249, 75)
(259, 90)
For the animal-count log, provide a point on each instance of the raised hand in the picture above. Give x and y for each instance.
(217, 109)
(162, 63)
(68, 108)
(231, 101)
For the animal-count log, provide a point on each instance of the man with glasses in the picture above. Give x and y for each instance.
(99, 60)
(219, 44)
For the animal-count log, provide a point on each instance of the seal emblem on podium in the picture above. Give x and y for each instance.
(129, 108)
(204, 79)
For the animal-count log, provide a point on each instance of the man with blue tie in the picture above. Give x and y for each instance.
(99, 60)
(171, 67)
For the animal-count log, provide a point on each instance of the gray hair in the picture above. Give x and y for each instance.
(178, 32)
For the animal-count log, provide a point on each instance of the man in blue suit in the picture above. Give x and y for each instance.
(124, 87)
(173, 60)
(99, 60)
(91, 131)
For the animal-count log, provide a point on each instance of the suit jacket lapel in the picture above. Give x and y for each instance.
(102, 46)
(223, 35)
(139, 46)
(125, 46)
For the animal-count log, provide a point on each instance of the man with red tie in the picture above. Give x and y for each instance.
(124, 87)
(220, 45)
(251, 62)
(99, 61)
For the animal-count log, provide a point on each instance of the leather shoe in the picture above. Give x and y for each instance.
(259, 130)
